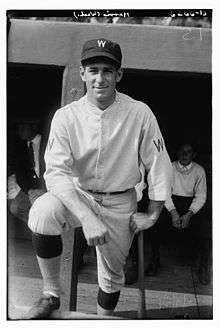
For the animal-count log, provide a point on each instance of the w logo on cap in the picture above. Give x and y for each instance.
(101, 43)
(101, 48)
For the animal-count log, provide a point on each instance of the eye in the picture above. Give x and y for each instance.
(92, 70)
(108, 70)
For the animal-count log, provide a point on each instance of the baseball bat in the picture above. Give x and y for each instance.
(141, 288)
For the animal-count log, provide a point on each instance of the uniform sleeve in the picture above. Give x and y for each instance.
(141, 185)
(200, 191)
(169, 202)
(156, 160)
(58, 156)
(59, 176)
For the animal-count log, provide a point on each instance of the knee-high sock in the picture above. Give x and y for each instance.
(50, 270)
(48, 249)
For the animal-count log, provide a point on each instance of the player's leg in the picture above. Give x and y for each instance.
(131, 265)
(106, 302)
(111, 257)
(47, 219)
(110, 277)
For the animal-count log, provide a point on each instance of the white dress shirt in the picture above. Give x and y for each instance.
(36, 148)
(188, 181)
(102, 150)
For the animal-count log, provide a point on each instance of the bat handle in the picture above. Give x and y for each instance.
(141, 287)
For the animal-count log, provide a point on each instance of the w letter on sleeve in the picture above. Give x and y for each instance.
(159, 144)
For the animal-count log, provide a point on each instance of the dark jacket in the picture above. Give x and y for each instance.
(25, 174)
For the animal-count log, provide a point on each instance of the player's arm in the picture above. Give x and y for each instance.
(59, 181)
(159, 173)
(142, 221)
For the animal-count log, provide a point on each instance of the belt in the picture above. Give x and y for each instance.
(108, 193)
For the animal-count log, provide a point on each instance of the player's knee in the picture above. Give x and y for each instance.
(47, 246)
(42, 215)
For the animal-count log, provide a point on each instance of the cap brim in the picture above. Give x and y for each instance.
(97, 54)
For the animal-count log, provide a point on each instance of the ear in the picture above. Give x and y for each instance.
(82, 73)
(119, 75)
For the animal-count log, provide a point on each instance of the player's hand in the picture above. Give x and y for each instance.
(95, 232)
(186, 219)
(176, 220)
(141, 221)
(33, 194)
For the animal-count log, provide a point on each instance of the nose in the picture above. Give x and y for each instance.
(100, 77)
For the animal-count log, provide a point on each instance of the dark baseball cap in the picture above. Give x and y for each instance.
(101, 48)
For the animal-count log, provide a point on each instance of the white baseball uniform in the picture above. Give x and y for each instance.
(94, 150)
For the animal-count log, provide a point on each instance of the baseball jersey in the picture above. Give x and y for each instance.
(188, 182)
(101, 150)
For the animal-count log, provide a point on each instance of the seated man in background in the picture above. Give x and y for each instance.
(25, 168)
(186, 219)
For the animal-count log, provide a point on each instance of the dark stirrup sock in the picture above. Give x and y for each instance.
(47, 246)
(108, 301)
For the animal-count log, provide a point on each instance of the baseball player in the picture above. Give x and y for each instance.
(94, 152)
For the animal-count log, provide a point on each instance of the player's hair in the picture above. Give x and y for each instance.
(187, 141)
(96, 60)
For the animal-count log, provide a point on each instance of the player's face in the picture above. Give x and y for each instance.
(185, 155)
(100, 79)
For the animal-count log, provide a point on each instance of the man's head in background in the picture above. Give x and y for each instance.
(186, 153)
(27, 128)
